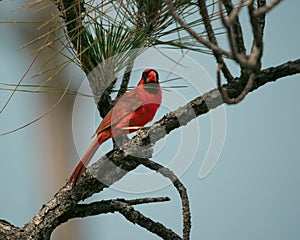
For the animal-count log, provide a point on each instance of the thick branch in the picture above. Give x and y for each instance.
(8, 231)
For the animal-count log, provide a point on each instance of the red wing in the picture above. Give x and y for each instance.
(126, 105)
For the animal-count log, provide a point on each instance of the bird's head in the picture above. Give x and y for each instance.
(150, 80)
(150, 76)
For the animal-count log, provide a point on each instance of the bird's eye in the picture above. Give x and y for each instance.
(145, 75)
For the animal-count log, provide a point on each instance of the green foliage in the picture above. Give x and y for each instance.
(109, 35)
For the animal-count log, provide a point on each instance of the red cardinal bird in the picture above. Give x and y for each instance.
(131, 112)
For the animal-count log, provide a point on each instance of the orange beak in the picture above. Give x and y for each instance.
(151, 77)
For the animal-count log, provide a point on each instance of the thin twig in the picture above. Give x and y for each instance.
(125, 80)
(261, 19)
(253, 20)
(180, 188)
(266, 8)
(238, 56)
(136, 217)
(254, 61)
(212, 38)
(234, 22)
(235, 11)
(241, 96)
(194, 34)
(107, 206)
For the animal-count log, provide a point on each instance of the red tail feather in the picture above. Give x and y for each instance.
(87, 157)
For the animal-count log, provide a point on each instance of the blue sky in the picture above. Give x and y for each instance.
(252, 193)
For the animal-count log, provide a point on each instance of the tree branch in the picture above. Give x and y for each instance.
(233, 20)
(240, 97)
(8, 231)
(186, 213)
(261, 18)
(134, 216)
(125, 80)
(195, 35)
(257, 44)
(108, 206)
(212, 38)
(234, 40)
(266, 8)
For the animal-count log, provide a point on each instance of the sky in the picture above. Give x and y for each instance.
(251, 193)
